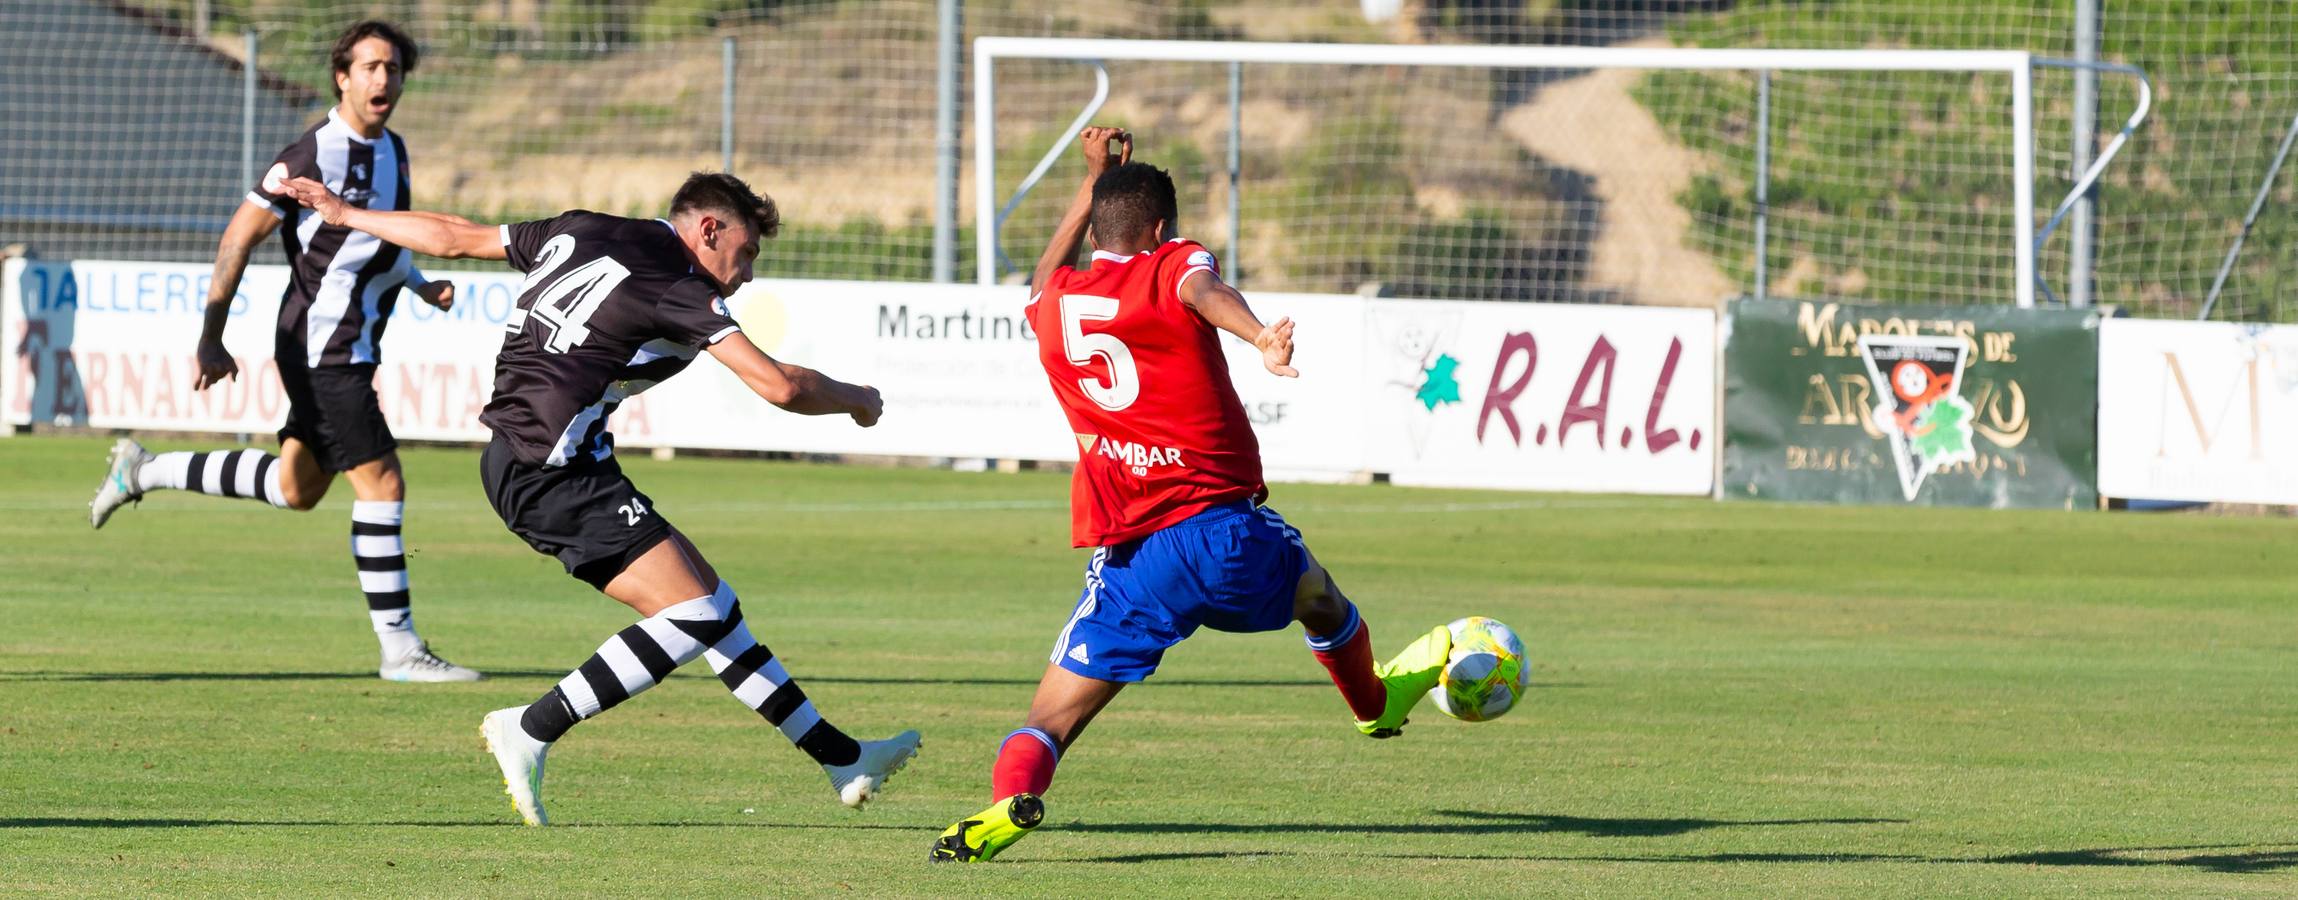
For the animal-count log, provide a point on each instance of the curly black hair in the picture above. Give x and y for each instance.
(1132, 197)
(341, 57)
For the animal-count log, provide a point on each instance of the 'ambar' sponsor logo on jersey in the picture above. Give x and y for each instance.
(1140, 458)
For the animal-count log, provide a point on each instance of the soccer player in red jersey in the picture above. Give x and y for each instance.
(1167, 489)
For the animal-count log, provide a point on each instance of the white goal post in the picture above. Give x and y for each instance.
(2017, 64)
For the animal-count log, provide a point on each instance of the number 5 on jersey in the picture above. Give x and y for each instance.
(1124, 384)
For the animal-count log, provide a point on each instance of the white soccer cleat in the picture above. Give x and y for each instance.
(521, 759)
(120, 487)
(420, 665)
(858, 783)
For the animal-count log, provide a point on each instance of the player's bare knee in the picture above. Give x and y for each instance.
(379, 480)
(301, 497)
(1317, 602)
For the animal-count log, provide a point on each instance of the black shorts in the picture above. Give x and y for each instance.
(586, 514)
(333, 411)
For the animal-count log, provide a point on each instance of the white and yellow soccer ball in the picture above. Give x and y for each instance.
(1486, 673)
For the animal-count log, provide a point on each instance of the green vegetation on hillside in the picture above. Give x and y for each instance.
(1906, 176)
(1884, 187)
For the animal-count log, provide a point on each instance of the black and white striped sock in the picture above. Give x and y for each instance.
(381, 555)
(220, 473)
(636, 658)
(640, 656)
(759, 681)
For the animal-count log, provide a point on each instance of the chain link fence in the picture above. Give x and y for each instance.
(123, 127)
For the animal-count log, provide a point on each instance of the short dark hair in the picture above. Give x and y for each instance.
(1131, 197)
(729, 196)
(341, 57)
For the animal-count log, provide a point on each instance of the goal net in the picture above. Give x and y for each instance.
(1617, 174)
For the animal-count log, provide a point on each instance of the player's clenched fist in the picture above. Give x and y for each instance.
(438, 293)
(215, 365)
(869, 407)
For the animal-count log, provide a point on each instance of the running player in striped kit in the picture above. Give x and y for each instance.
(611, 307)
(341, 289)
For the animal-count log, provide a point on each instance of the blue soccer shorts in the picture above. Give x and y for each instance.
(1233, 568)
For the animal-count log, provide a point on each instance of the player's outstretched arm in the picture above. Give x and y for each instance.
(433, 234)
(250, 226)
(1222, 306)
(796, 388)
(1070, 234)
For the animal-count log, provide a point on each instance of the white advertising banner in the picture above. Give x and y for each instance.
(1585, 398)
(1311, 428)
(1541, 396)
(955, 364)
(2202, 411)
(109, 345)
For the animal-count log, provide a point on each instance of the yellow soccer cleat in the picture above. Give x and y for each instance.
(1409, 677)
(979, 838)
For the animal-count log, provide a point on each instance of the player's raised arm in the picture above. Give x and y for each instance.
(434, 234)
(1222, 306)
(796, 388)
(1070, 234)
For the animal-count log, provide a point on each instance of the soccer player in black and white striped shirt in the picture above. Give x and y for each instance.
(342, 285)
(610, 307)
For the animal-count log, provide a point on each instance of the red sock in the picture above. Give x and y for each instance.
(1350, 662)
(1024, 764)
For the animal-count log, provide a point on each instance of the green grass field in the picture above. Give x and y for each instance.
(1733, 699)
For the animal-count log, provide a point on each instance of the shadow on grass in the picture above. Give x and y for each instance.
(555, 674)
(2282, 856)
(1477, 823)
(2276, 857)
(369, 675)
(88, 822)
(2272, 858)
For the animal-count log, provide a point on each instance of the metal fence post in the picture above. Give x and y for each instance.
(1236, 157)
(946, 142)
(2081, 230)
(1762, 183)
(247, 173)
(726, 106)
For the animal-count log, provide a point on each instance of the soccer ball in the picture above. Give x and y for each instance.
(1486, 673)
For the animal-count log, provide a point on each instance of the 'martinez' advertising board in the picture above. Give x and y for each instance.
(1928, 405)
(2204, 411)
(109, 344)
(1584, 398)
(1541, 396)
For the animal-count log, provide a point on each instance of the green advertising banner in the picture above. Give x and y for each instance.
(1925, 405)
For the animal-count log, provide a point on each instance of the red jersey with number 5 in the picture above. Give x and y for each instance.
(1161, 435)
